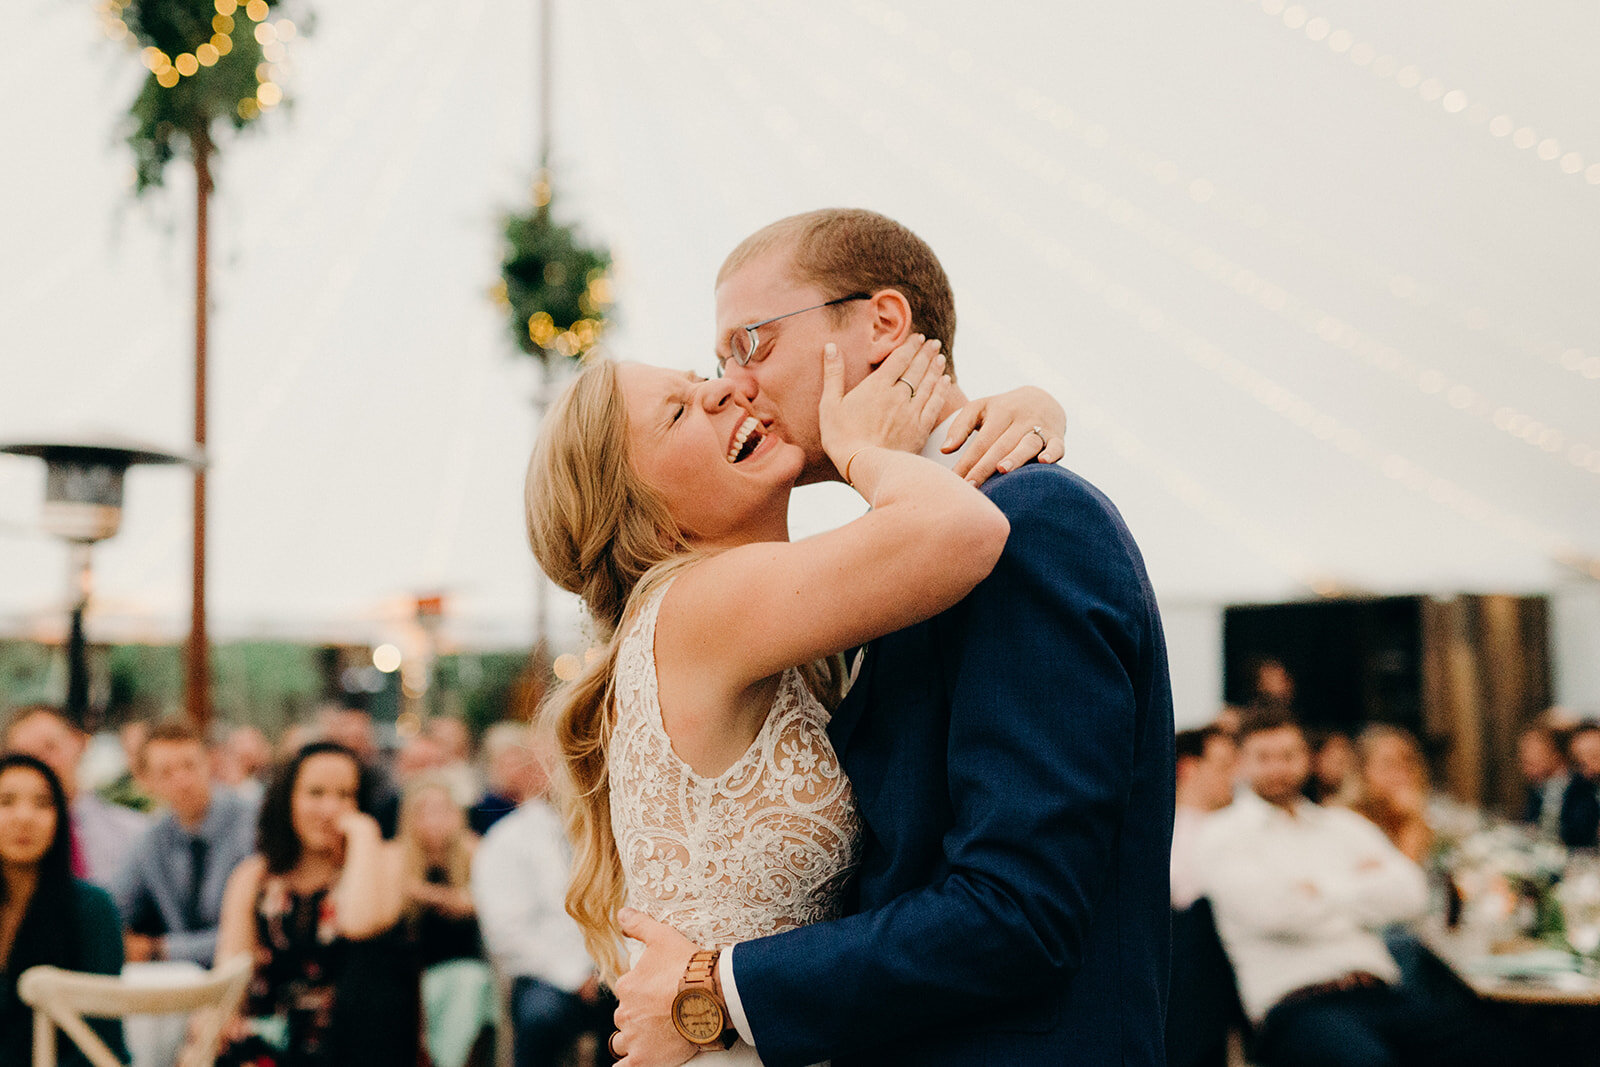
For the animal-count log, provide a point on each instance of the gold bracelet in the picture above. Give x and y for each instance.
(851, 460)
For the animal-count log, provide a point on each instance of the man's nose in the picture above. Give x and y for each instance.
(716, 393)
(742, 379)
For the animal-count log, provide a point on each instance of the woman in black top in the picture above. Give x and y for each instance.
(317, 908)
(46, 915)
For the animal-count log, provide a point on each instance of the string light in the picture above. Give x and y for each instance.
(1254, 384)
(1431, 90)
(1343, 338)
(256, 10)
(207, 54)
(1060, 118)
(1040, 106)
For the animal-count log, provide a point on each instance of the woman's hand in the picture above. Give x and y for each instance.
(358, 824)
(895, 407)
(1001, 432)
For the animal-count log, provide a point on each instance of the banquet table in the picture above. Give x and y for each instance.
(1521, 972)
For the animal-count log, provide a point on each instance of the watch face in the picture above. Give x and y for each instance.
(698, 1016)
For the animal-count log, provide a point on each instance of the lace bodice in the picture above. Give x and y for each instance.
(763, 847)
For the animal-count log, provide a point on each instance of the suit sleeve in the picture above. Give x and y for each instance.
(1041, 662)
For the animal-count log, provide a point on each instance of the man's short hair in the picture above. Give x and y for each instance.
(850, 250)
(1265, 716)
(170, 731)
(1192, 743)
(28, 711)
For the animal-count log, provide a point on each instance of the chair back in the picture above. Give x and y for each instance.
(62, 998)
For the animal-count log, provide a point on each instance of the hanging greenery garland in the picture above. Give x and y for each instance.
(555, 288)
(208, 60)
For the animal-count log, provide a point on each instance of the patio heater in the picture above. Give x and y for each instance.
(83, 505)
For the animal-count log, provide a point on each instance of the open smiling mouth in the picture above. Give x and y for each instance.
(745, 439)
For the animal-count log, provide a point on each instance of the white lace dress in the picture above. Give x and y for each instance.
(763, 847)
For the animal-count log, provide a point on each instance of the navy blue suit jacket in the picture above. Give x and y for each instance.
(1013, 762)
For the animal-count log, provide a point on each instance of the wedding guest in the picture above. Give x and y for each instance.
(1580, 803)
(127, 789)
(519, 883)
(170, 893)
(101, 833)
(441, 921)
(352, 727)
(1390, 788)
(316, 909)
(419, 755)
(511, 772)
(242, 762)
(1202, 1005)
(453, 736)
(1300, 893)
(1333, 763)
(46, 915)
(1206, 759)
(1270, 682)
(1544, 768)
(1228, 720)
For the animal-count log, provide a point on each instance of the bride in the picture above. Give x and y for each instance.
(700, 784)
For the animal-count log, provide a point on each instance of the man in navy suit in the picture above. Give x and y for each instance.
(1012, 758)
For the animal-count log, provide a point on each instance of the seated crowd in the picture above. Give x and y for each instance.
(1298, 861)
(383, 926)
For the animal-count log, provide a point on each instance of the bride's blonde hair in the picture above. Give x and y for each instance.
(600, 531)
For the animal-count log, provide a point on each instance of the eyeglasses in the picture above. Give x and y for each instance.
(744, 341)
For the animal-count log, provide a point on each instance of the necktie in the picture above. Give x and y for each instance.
(197, 874)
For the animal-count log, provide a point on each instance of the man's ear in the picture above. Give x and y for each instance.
(891, 323)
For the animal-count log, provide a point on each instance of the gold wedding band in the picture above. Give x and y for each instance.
(611, 1044)
(908, 385)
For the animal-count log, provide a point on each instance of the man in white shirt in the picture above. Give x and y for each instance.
(1300, 894)
(519, 885)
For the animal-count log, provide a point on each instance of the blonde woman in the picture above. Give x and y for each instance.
(436, 854)
(1391, 787)
(701, 787)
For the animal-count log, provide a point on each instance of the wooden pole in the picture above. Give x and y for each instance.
(198, 695)
(546, 15)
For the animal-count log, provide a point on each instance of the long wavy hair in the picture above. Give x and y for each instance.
(599, 530)
(49, 930)
(458, 852)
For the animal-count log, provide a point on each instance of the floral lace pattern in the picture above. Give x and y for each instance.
(766, 846)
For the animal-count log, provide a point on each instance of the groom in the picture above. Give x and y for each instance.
(1012, 758)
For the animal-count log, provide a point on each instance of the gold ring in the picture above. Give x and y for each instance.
(908, 385)
(611, 1044)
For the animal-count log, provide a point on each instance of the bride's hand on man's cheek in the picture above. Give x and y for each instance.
(896, 406)
(1006, 431)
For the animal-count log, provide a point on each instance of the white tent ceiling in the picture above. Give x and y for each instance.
(1317, 285)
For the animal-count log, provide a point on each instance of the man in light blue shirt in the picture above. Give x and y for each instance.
(170, 892)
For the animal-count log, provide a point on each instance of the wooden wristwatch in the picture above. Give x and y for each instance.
(699, 1013)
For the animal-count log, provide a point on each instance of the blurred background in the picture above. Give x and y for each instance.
(1316, 286)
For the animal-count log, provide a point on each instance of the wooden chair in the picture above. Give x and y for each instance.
(62, 998)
